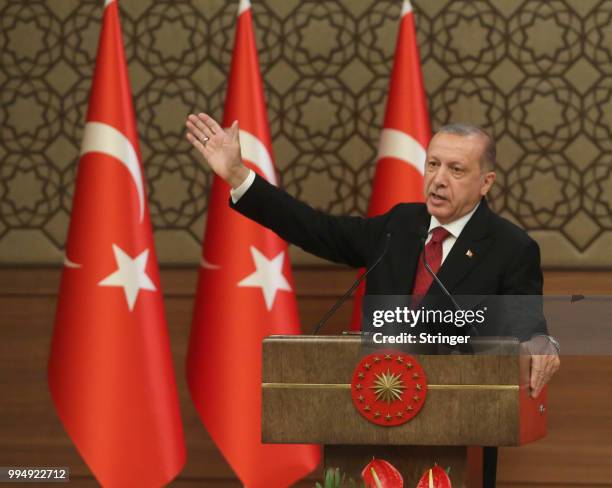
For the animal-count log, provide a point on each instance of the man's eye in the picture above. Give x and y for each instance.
(457, 170)
(432, 164)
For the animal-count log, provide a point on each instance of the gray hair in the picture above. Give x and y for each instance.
(488, 159)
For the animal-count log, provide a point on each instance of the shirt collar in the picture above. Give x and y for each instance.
(456, 226)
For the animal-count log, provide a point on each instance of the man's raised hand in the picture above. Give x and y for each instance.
(220, 148)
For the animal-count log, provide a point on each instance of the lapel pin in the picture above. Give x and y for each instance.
(469, 253)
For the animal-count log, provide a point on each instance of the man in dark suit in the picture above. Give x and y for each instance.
(475, 251)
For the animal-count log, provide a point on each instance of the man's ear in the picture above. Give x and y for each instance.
(487, 182)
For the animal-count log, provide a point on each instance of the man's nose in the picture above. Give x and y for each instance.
(440, 178)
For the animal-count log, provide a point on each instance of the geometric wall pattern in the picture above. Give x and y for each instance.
(537, 74)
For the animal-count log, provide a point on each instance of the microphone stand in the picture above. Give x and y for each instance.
(350, 291)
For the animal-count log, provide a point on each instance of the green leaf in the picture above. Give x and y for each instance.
(337, 478)
(329, 474)
(333, 478)
(356, 484)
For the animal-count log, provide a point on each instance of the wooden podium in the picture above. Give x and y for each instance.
(472, 401)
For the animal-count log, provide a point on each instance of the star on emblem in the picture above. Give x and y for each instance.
(268, 276)
(400, 359)
(376, 359)
(358, 387)
(388, 357)
(130, 275)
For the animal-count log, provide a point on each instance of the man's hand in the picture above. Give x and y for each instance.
(220, 148)
(544, 363)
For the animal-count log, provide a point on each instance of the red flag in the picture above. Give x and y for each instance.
(404, 137)
(245, 293)
(110, 369)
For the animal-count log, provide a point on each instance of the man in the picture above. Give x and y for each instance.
(475, 251)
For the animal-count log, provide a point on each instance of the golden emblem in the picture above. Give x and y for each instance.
(388, 387)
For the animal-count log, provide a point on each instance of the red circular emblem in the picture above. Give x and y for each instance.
(389, 388)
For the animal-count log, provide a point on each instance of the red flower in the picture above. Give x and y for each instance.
(379, 473)
(435, 477)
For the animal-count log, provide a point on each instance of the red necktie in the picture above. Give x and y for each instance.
(433, 250)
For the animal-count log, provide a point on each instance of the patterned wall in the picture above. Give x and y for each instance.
(538, 73)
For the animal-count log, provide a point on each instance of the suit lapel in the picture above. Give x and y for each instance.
(472, 244)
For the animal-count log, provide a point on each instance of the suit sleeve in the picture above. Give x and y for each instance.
(346, 240)
(523, 284)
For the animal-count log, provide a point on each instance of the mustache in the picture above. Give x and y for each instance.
(437, 194)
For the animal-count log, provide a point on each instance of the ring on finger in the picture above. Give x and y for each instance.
(205, 140)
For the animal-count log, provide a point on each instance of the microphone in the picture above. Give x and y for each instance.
(472, 329)
(350, 291)
(434, 275)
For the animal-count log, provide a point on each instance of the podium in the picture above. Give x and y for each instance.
(472, 401)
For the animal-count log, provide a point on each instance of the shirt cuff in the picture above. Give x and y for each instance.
(236, 193)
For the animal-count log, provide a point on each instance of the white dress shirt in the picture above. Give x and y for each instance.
(236, 193)
(454, 228)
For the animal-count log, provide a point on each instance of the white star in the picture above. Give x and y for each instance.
(268, 275)
(130, 275)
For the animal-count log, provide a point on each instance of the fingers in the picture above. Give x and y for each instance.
(198, 128)
(235, 132)
(536, 378)
(542, 370)
(209, 122)
(198, 144)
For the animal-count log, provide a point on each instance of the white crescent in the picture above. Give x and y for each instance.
(406, 8)
(206, 265)
(399, 145)
(253, 150)
(104, 138)
(243, 6)
(70, 264)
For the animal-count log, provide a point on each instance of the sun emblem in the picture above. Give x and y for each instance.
(388, 387)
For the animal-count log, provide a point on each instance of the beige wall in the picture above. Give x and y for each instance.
(536, 73)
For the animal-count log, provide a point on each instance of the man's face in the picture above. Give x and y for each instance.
(454, 181)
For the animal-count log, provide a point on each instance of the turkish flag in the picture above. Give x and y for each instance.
(110, 369)
(405, 135)
(245, 293)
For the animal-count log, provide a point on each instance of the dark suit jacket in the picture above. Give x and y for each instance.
(505, 260)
